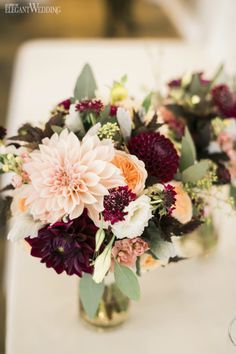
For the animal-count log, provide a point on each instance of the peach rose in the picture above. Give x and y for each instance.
(148, 263)
(183, 211)
(132, 169)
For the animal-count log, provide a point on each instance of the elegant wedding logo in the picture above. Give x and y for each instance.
(31, 7)
(232, 331)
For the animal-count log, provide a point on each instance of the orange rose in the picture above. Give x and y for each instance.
(132, 169)
(148, 263)
(183, 211)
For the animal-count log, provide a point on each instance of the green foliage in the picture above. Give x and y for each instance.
(90, 294)
(159, 248)
(196, 172)
(147, 102)
(188, 151)
(85, 85)
(233, 194)
(127, 281)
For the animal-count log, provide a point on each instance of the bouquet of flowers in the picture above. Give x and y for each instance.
(208, 108)
(101, 189)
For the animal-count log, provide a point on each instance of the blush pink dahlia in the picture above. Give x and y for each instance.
(68, 175)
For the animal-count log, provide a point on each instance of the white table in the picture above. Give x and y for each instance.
(185, 308)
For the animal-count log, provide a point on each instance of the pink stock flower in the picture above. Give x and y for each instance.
(68, 175)
(139, 246)
(226, 142)
(17, 181)
(126, 251)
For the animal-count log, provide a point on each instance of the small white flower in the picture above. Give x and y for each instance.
(125, 122)
(139, 213)
(73, 120)
(214, 147)
(23, 225)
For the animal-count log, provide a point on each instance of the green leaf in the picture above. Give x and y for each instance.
(147, 102)
(124, 79)
(233, 193)
(127, 281)
(196, 172)
(86, 85)
(90, 294)
(57, 129)
(188, 151)
(195, 85)
(159, 248)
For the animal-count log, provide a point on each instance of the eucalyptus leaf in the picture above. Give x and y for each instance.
(147, 102)
(86, 85)
(196, 172)
(127, 281)
(195, 85)
(90, 294)
(188, 151)
(233, 193)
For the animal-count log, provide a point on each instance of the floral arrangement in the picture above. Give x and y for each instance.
(208, 108)
(106, 185)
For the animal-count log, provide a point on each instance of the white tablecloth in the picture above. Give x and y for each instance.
(185, 308)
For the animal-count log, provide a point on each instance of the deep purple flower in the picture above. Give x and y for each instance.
(157, 152)
(94, 106)
(176, 83)
(115, 203)
(169, 198)
(65, 104)
(224, 100)
(67, 246)
(223, 174)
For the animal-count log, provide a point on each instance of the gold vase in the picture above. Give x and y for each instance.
(113, 309)
(201, 242)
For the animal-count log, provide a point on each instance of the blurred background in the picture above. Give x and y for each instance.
(190, 20)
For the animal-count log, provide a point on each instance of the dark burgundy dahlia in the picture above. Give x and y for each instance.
(224, 100)
(67, 246)
(158, 153)
(115, 203)
(223, 174)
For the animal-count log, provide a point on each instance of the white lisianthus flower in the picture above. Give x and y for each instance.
(102, 263)
(139, 213)
(73, 120)
(125, 122)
